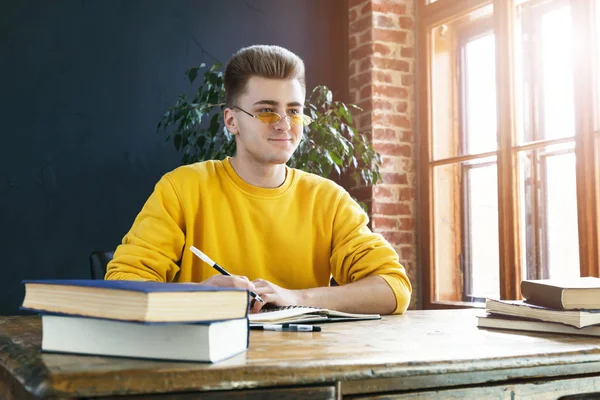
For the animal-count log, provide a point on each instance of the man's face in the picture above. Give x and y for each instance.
(266, 143)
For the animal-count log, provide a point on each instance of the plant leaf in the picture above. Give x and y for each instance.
(192, 74)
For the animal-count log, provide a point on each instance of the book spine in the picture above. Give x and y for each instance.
(542, 295)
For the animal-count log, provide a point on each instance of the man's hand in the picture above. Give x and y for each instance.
(233, 281)
(273, 294)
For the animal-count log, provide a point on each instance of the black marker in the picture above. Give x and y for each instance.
(287, 328)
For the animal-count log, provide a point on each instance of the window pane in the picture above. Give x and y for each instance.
(446, 235)
(463, 47)
(548, 199)
(597, 13)
(466, 230)
(544, 72)
(561, 215)
(557, 72)
(480, 95)
(482, 231)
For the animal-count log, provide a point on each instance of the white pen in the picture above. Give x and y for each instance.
(287, 328)
(216, 266)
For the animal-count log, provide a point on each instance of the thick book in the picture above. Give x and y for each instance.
(524, 324)
(579, 293)
(203, 342)
(303, 314)
(136, 300)
(519, 308)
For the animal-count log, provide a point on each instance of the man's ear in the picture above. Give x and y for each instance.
(230, 121)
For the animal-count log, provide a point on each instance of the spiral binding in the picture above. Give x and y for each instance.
(270, 307)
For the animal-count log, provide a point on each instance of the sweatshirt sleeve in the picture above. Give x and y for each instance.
(357, 252)
(153, 246)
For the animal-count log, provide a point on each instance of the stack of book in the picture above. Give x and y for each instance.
(568, 307)
(168, 321)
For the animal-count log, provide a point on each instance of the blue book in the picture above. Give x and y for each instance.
(136, 300)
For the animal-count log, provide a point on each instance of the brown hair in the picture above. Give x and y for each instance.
(272, 62)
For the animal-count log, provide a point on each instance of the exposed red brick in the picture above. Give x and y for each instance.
(352, 42)
(360, 80)
(390, 91)
(388, 35)
(386, 63)
(407, 194)
(391, 208)
(385, 21)
(381, 49)
(360, 24)
(393, 149)
(388, 160)
(380, 104)
(381, 46)
(407, 253)
(366, 37)
(384, 223)
(384, 134)
(407, 80)
(352, 69)
(398, 238)
(394, 8)
(402, 107)
(365, 104)
(380, 191)
(381, 76)
(406, 22)
(407, 224)
(364, 121)
(394, 178)
(361, 52)
(354, 3)
(367, 8)
(407, 136)
(365, 65)
(392, 120)
(366, 92)
(407, 52)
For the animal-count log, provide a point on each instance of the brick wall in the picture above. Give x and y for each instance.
(382, 82)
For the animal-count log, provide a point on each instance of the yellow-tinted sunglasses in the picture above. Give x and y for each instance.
(273, 117)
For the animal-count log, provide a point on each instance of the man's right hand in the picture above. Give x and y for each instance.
(233, 281)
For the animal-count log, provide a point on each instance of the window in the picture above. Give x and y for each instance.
(465, 199)
(547, 176)
(508, 183)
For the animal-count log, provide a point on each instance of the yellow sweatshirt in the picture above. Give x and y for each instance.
(297, 235)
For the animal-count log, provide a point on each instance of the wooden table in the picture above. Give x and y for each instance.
(423, 354)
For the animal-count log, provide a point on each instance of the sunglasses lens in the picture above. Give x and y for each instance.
(300, 120)
(269, 117)
(296, 120)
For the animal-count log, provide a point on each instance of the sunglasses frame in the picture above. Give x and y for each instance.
(306, 120)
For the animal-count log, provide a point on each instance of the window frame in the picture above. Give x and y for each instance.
(442, 11)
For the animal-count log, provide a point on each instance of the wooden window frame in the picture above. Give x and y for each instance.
(442, 11)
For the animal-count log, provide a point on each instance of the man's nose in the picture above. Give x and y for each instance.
(284, 124)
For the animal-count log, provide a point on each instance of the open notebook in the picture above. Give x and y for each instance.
(303, 314)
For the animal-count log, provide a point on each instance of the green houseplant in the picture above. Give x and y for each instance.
(330, 143)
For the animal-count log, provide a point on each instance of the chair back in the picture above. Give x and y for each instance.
(98, 262)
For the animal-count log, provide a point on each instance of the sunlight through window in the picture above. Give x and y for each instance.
(557, 74)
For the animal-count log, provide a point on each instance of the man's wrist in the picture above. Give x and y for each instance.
(302, 297)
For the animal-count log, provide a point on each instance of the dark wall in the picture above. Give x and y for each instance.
(82, 87)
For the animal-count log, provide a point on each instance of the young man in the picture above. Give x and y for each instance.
(280, 232)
